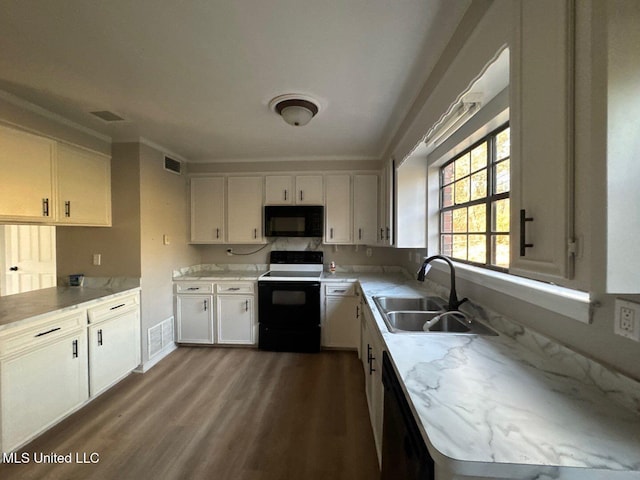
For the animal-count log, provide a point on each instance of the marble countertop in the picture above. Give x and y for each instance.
(30, 306)
(513, 406)
(219, 275)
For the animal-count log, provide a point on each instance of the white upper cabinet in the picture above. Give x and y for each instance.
(290, 190)
(338, 210)
(278, 190)
(542, 140)
(35, 167)
(365, 209)
(207, 210)
(309, 190)
(244, 210)
(84, 187)
(410, 218)
(27, 163)
(385, 205)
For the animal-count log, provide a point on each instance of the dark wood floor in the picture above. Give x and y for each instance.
(218, 413)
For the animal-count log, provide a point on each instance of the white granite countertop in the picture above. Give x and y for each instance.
(513, 406)
(30, 306)
(219, 275)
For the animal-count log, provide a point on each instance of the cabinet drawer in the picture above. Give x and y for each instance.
(39, 333)
(240, 287)
(340, 289)
(113, 307)
(193, 287)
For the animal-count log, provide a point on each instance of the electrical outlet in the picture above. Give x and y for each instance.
(627, 319)
(369, 252)
(97, 259)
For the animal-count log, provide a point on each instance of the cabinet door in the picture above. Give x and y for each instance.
(278, 190)
(309, 190)
(207, 210)
(541, 140)
(114, 350)
(365, 209)
(385, 203)
(341, 328)
(244, 210)
(194, 316)
(26, 163)
(84, 187)
(235, 319)
(339, 224)
(41, 386)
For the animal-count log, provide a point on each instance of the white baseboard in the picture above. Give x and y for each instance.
(152, 362)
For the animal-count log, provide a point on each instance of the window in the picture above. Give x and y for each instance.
(474, 203)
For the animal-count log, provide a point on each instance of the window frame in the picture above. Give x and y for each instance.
(488, 200)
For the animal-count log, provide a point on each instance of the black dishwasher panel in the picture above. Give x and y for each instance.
(404, 454)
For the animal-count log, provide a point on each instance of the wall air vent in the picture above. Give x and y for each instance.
(173, 166)
(107, 116)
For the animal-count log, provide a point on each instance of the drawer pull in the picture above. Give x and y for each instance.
(118, 306)
(41, 334)
(100, 337)
(339, 291)
(74, 349)
(233, 289)
(191, 289)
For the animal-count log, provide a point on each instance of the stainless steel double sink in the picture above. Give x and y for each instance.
(426, 315)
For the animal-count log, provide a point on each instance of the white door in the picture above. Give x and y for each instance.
(113, 350)
(244, 210)
(207, 210)
(195, 318)
(235, 319)
(27, 258)
(338, 223)
(365, 209)
(278, 190)
(309, 190)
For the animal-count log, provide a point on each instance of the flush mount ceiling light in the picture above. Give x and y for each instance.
(296, 110)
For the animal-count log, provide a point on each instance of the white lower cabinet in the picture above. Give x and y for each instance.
(220, 313)
(195, 318)
(235, 319)
(114, 342)
(341, 327)
(43, 376)
(371, 355)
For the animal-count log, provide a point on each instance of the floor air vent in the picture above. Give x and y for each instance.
(160, 336)
(173, 166)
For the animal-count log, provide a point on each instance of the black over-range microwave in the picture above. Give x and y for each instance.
(293, 221)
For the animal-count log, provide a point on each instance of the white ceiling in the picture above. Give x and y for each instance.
(197, 76)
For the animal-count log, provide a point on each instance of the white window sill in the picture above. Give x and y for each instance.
(564, 301)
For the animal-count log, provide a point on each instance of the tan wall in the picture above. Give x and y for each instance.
(164, 210)
(118, 245)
